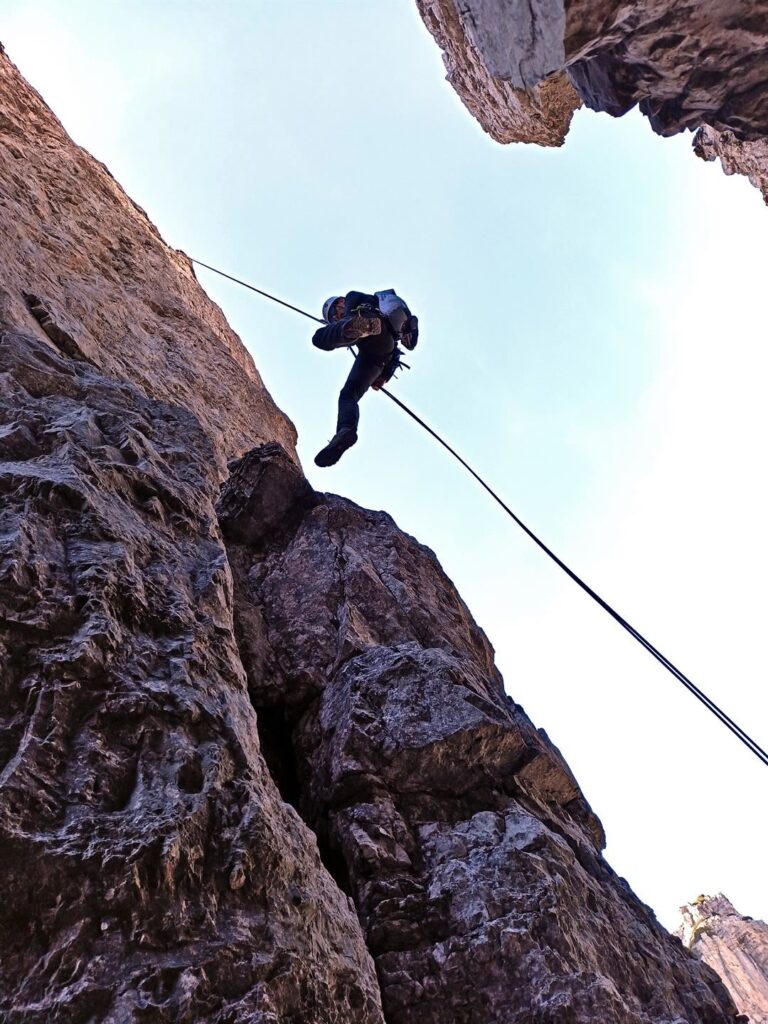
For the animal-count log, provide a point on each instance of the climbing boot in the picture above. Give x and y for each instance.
(362, 327)
(336, 447)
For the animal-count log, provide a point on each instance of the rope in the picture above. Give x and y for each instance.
(258, 291)
(699, 694)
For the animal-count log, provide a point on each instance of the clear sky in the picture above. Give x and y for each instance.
(593, 340)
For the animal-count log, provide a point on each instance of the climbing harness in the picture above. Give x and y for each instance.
(708, 703)
(394, 364)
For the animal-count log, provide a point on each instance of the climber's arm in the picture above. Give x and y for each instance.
(331, 336)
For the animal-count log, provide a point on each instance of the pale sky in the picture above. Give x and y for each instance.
(593, 326)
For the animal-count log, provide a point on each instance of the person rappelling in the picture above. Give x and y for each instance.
(375, 324)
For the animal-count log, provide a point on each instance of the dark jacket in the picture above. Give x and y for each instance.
(332, 335)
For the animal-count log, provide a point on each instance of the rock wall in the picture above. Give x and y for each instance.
(82, 266)
(472, 857)
(151, 871)
(540, 114)
(264, 781)
(735, 156)
(686, 64)
(734, 946)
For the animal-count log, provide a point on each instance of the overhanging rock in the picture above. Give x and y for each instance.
(522, 68)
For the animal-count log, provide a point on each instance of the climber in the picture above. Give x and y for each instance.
(375, 323)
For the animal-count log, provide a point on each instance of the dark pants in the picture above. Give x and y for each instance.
(367, 367)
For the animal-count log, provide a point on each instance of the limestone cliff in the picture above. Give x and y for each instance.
(257, 765)
(81, 265)
(734, 946)
(521, 69)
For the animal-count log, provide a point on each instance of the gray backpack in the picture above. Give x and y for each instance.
(404, 325)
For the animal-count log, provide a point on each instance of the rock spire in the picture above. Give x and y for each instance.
(733, 945)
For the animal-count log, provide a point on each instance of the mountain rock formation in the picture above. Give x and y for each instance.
(522, 69)
(734, 946)
(735, 156)
(257, 765)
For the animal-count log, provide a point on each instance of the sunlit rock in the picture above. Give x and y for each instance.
(734, 946)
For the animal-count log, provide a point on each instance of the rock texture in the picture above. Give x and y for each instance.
(82, 266)
(540, 114)
(169, 701)
(736, 157)
(470, 852)
(150, 870)
(686, 64)
(734, 946)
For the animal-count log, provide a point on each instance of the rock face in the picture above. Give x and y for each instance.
(686, 64)
(736, 157)
(82, 266)
(166, 696)
(734, 946)
(150, 869)
(540, 114)
(471, 855)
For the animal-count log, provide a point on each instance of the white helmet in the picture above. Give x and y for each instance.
(328, 306)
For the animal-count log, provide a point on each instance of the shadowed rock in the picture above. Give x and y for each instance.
(265, 492)
(471, 854)
(150, 870)
(522, 68)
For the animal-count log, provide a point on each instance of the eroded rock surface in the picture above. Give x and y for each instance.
(735, 156)
(540, 114)
(734, 946)
(150, 870)
(471, 854)
(686, 64)
(82, 266)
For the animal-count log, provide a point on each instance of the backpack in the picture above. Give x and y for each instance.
(404, 325)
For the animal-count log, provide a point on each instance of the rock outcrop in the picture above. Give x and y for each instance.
(470, 852)
(264, 780)
(150, 870)
(734, 946)
(735, 156)
(540, 114)
(686, 64)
